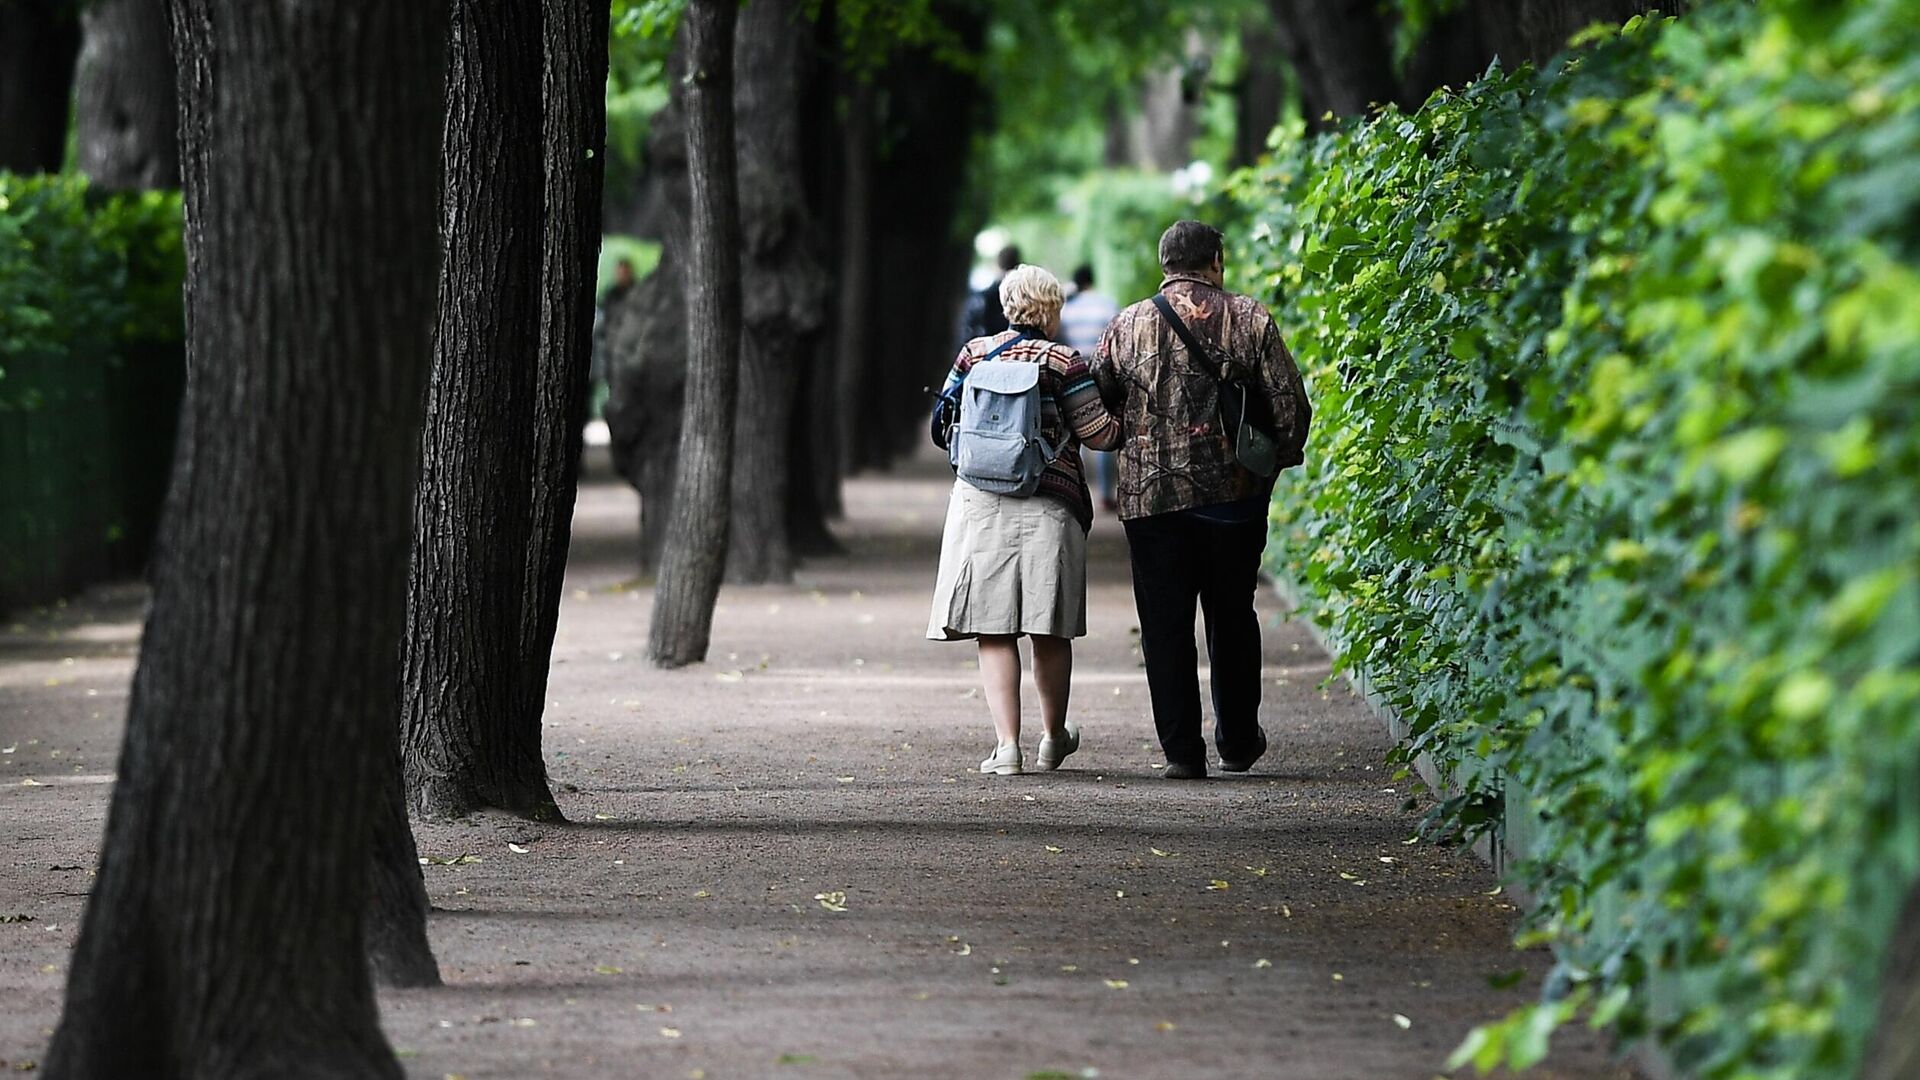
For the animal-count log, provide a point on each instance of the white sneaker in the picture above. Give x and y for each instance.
(1004, 762)
(1054, 751)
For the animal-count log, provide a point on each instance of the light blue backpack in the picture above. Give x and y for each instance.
(997, 445)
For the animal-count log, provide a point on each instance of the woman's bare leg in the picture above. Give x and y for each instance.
(1053, 674)
(1000, 674)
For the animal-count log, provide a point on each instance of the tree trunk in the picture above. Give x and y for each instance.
(854, 333)
(921, 248)
(38, 42)
(224, 936)
(1261, 91)
(124, 116)
(646, 391)
(697, 549)
(1894, 1053)
(574, 88)
(782, 293)
(397, 944)
(1343, 52)
(647, 334)
(468, 743)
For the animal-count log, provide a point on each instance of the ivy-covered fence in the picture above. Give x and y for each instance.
(1615, 496)
(91, 373)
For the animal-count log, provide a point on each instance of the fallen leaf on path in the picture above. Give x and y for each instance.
(516, 848)
(669, 1033)
(524, 1021)
(1055, 850)
(1263, 962)
(1164, 1025)
(1216, 885)
(832, 901)
(31, 782)
(606, 969)
(1162, 854)
(1116, 984)
(1402, 1021)
(731, 676)
(1259, 871)
(702, 895)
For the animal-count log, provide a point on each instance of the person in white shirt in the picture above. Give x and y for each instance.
(1082, 320)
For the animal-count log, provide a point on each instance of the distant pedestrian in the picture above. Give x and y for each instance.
(1082, 320)
(1196, 519)
(983, 315)
(1013, 556)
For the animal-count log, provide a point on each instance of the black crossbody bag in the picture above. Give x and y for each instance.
(1245, 415)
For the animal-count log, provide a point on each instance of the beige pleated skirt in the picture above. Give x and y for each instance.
(1009, 566)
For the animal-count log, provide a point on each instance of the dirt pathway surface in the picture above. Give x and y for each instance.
(782, 863)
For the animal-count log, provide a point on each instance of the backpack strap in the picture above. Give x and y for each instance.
(1017, 338)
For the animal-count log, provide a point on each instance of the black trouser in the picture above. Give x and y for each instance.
(1177, 558)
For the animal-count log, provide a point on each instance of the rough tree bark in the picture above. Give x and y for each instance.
(574, 89)
(467, 743)
(783, 296)
(696, 549)
(39, 40)
(224, 934)
(124, 115)
(397, 905)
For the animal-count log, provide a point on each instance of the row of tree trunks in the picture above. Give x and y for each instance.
(124, 116)
(39, 40)
(468, 743)
(224, 935)
(879, 157)
(695, 558)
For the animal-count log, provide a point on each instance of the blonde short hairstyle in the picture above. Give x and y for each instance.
(1030, 296)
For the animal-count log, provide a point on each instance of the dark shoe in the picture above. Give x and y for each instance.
(1180, 770)
(1228, 764)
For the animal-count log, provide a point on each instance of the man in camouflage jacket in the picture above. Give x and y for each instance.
(1196, 521)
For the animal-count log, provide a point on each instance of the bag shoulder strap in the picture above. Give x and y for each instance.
(1003, 347)
(1194, 348)
(954, 392)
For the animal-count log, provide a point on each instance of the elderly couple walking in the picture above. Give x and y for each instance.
(1195, 517)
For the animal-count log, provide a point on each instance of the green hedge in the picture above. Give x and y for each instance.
(91, 373)
(1615, 495)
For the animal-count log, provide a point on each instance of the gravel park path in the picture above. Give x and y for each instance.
(783, 864)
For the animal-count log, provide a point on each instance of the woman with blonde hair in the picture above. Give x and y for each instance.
(1013, 565)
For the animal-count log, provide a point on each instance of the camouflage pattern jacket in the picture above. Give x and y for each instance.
(1173, 454)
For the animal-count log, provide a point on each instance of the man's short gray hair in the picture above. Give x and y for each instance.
(1030, 296)
(1189, 245)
